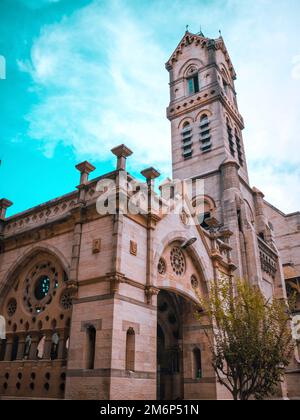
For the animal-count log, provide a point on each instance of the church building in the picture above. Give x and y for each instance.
(101, 304)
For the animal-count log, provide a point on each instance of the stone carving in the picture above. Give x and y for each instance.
(133, 248)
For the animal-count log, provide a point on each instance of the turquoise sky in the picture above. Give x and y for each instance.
(83, 76)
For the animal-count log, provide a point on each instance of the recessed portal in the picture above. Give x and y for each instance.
(169, 346)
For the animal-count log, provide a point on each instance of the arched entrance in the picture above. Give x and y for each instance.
(184, 368)
(169, 346)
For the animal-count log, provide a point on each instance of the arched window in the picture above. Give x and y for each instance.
(230, 138)
(15, 346)
(187, 142)
(130, 349)
(91, 344)
(193, 81)
(239, 148)
(205, 137)
(204, 208)
(197, 363)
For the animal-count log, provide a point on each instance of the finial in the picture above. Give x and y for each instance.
(122, 152)
(200, 32)
(220, 33)
(186, 28)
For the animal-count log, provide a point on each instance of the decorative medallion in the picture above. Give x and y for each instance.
(66, 300)
(161, 267)
(177, 261)
(11, 307)
(194, 282)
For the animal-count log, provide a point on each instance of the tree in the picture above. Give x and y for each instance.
(250, 338)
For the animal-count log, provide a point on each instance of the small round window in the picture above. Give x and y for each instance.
(42, 287)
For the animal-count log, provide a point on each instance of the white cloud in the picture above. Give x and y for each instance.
(100, 87)
(102, 81)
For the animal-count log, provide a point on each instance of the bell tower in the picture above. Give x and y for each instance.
(206, 126)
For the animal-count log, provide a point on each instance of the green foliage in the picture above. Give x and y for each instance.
(250, 340)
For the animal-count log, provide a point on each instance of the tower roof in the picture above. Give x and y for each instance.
(200, 40)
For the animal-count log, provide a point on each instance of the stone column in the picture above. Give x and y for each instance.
(61, 344)
(48, 342)
(150, 174)
(121, 152)
(4, 205)
(8, 349)
(261, 219)
(21, 346)
(33, 348)
(85, 168)
(231, 194)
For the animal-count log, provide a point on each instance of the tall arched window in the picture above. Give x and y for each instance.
(130, 349)
(15, 346)
(204, 210)
(91, 344)
(239, 148)
(197, 363)
(205, 137)
(230, 139)
(187, 142)
(193, 81)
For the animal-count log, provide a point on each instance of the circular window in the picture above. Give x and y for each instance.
(42, 287)
(161, 268)
(177, 261)
(66, 300)
(194, 282)
(11, 307)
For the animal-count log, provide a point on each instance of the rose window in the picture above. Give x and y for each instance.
(41, 285)
(177, 261)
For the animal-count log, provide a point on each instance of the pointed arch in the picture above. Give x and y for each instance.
(25, 259)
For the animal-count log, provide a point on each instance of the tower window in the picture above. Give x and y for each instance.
(130, 349)
(187, 142)
(193, 84)
(91, 343)
(205, 137)
(197, 363)
(202, 218)
(225, 84)
(239, 148)
(230, 139)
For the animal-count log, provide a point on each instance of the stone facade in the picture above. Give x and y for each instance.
(101, 305)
